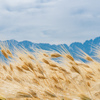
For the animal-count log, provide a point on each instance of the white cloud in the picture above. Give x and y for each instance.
(53, 21)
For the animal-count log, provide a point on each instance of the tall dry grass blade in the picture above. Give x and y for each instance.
(25, 67)
(89, 58)
(9, 78)
(4, 53)
(53, 64)
(45, 61)
(4, 67)
(34, 94)
(19, 69)
(76, 69)
(41, 77)
(55, 55)
(31, 57)
(30, 65)
(55, 79)
(46, 55)
(64, 70)
(23, 95)
(11, 67)
(9, 53)
(35, 81)
(50, 94)
(70, 57)
(59, 88)
(16, 79)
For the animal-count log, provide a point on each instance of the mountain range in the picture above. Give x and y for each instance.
(88, 46)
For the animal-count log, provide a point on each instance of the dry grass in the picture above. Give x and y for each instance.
(36, 76)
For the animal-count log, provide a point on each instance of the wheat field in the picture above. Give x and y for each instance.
(38, 76)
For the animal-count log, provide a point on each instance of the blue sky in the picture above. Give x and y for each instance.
(49, 21)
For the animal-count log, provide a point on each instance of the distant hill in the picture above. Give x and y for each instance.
(87, 46)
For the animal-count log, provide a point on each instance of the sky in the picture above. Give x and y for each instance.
(50, 21)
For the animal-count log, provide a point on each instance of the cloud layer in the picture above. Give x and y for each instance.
(49, 21)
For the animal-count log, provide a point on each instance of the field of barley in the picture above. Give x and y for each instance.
(38, 76)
